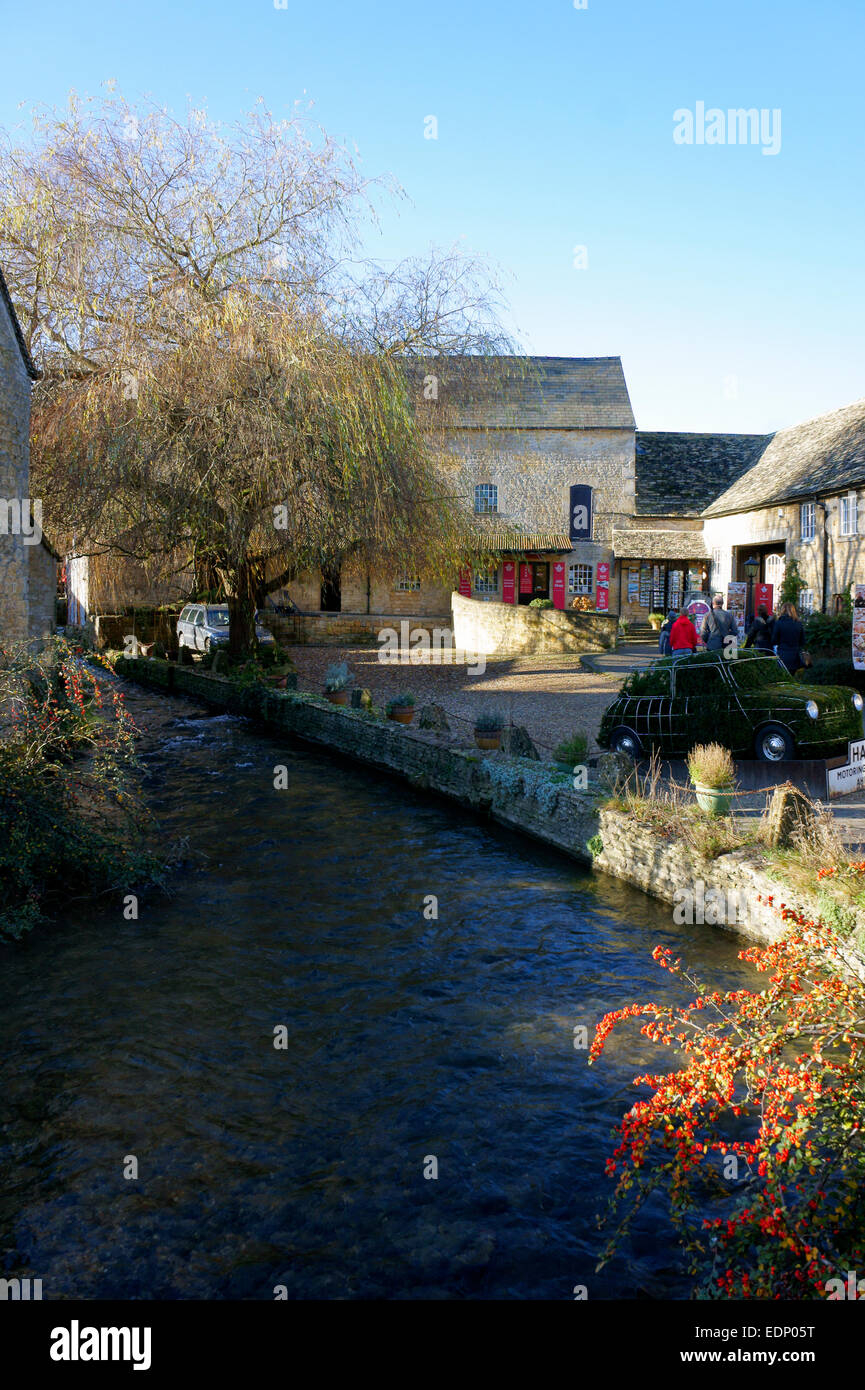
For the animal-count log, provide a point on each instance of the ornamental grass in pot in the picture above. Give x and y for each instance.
(713, 774)
(336, 683)
(401, 708)
(488, 730)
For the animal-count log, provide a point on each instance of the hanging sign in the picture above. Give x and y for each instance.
(525, 579)
(581, 512)
(764, 597)
(603, 572)
(509, 576)
(559, 584)
(466, 583)
(602, 600)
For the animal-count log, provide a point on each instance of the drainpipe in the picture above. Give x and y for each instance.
(825, 510)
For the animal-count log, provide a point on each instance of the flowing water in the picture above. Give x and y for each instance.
(409, 1038)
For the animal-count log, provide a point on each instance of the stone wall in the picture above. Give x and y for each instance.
(490, 628)
(15, 556)
(528, 797)
(42, 583)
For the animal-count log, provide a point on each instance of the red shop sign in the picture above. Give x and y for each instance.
(509, 575)
(466, 583)
(525, 579)
(559, 584)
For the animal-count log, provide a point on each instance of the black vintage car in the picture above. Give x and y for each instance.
(750, 704)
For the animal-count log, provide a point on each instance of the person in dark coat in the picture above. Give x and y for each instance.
(718, 625)
(789, 636)
(761, 632)
(664, 635)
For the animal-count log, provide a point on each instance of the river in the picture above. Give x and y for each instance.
(409, 1038)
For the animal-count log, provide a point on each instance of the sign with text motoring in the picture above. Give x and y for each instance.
(859, 627)
(850, 777)
(509, 581)
(465, 582)
(602, 600)
(525, 579)
(558, 583)
(581, 512)
(603, 576)
(764, 597)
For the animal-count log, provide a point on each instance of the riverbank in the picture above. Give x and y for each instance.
(738, 891)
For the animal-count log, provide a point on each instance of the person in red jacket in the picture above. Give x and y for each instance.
(683, 637)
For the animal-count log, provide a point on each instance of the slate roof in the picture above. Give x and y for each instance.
(659, 545)
(581, 393)
(32, 371)
(822, 456)
(680, 474)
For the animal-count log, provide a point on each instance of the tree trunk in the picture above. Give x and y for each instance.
(241, 613)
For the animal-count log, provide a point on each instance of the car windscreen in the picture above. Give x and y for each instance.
(217, 617)
(756, 675)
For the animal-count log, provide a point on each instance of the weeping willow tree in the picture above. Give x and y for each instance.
(225, 383)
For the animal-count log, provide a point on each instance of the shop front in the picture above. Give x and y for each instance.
(658, 569)
(518, 567)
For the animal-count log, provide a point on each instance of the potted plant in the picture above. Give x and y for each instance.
(401, 708)
(571, 752)
(655, 621)
(624, 626)
(713, 774)
(336, 683)
(488, 730)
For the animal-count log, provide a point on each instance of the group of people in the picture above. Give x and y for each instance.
(782, 633)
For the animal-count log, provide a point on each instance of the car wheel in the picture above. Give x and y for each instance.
(625, 741)
(774, 744)
(207, 645)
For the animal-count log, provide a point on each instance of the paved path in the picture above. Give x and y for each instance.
(631, 656)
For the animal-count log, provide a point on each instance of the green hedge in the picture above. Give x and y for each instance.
(834, 671)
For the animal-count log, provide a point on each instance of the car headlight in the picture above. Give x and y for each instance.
(858, 701)
(811, 710)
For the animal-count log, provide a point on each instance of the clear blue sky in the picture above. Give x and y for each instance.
(555, 130)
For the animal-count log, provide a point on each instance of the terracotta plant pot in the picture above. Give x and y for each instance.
(488, 742)
(337, 697)
(404, 715)
(278, 682)
(715, 800)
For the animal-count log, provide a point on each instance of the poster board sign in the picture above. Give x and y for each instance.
(850, 777)
(633, 586)
(602, 600)
(764, 597)
(558, 584)
(697, 610)
(581, 512)
(509, 580)
(737, 593)
(859, 627)
(465, 584)
(525, 579)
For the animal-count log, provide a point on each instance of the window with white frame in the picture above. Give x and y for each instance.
(806, 601)
(580, 579)
(849, 514)
(486, 581)
(407, 583)
(486, 497)
(806, 521)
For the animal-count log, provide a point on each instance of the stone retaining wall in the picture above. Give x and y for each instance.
(491, 628)
(523, 795)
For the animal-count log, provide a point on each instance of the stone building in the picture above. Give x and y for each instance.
(801, 498)
(534, 429)
(661, 553)
(28, 565)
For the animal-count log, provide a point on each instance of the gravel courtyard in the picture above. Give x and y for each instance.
(551, 696)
